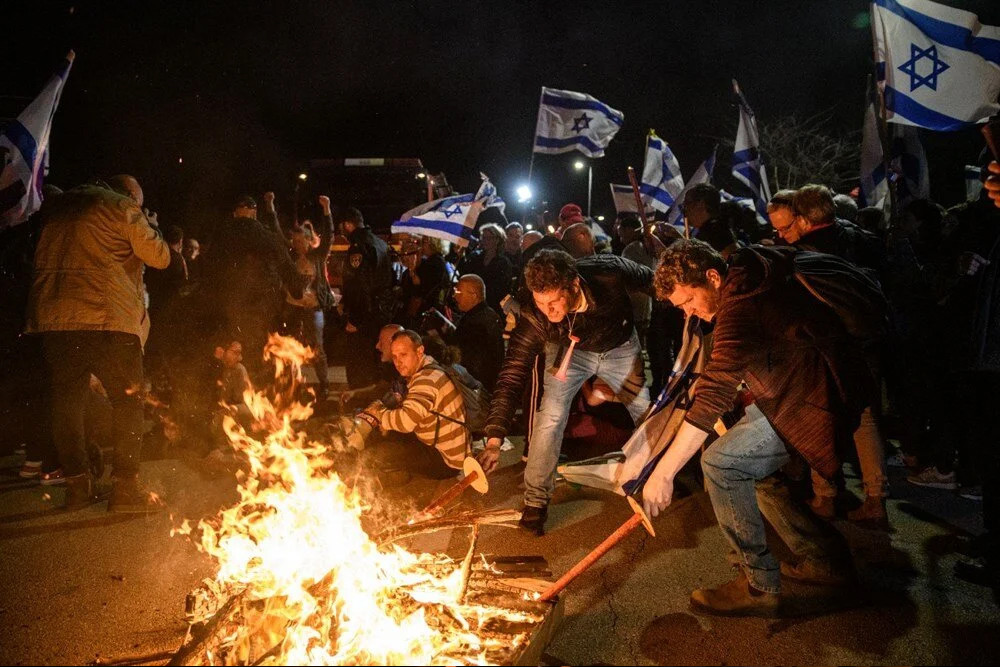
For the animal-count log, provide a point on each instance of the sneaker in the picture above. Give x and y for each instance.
(977, 571)
(823, 507)
(735, 598)
(53, 477)
(79, 491)
(971, 493)
(932, 478)
(533, 519)
(819, 572)
(30, 469)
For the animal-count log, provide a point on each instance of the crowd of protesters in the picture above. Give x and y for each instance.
(564, 336)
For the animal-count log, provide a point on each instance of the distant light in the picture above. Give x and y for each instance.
(180, 160)
(303, 176)
(523, 194)
(552, 230)
(600, 218)
(529, 226)
(578, 165)
(421, 175)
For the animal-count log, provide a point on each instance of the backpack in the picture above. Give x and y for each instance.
(474, 395)
(848, 291)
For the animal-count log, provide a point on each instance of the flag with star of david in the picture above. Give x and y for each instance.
(450, 218)
(938, 67)
(661, 175)
(569, 121)
(748, 165)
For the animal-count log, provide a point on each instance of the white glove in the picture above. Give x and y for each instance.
(657, 493)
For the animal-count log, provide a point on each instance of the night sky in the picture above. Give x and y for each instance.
(245, 93)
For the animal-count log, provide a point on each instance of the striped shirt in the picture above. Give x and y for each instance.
(430, 391)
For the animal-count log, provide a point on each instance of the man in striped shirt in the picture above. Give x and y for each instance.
(433, 410)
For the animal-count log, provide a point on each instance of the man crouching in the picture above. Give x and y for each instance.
(432, 411)
(806, 376)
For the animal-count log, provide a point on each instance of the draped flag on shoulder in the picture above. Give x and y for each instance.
(24, 143)
(569, 121)
(704, 175)
(449, 218)
(939, 68)
(748, 166)
(661, 175)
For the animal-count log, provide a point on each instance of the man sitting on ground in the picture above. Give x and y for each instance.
(433, 411)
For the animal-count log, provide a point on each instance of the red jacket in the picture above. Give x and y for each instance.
(808, 377)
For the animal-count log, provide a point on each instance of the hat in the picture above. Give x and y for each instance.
(245, 201)
(570, 213)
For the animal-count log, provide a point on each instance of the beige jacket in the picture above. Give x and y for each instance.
(89, 261)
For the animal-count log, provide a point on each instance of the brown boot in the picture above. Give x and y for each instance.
(823, 507)
(820, 572)
(127, 497)
(735, 598)
(872, 511)
(79, 491)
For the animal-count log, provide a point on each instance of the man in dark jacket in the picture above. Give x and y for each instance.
(585, 301)
(367, 280)
(479, 334)
(807, 377)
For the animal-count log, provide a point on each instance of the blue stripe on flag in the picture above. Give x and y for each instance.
(948, 34)
(914, 111)
(746, 155)
(659, 195)
(749, 174)
(453, 228)
(569, 103)
(547, 142)
(22, 140)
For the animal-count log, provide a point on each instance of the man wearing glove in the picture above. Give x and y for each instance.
(808, 380)
(582, 322)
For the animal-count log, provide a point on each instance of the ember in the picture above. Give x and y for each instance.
(300, 582)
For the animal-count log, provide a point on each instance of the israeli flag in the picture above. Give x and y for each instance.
(908, 167)
(661, 175)
(939, 67)
(748, 167)
(704, 175)
(450, 218)
(24, 144)
(874, 185)
(569, 121)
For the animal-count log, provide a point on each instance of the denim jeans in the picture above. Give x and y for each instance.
(740, 474)
(116, 359)
(620, 367)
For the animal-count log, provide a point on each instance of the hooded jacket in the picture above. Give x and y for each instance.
(807, 375)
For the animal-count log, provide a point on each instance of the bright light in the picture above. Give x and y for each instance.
(180, 160)
(600, 218)
(303, 176)
(421, 175)
(529, 226)
(523, 193)
(552, 230)
(578, 165)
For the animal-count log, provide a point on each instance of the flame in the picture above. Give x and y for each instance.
(295, 541)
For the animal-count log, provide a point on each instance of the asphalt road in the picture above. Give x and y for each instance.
(88, 587)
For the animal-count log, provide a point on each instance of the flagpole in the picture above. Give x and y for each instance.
(590, 183)
(531, 164)
(883, 127)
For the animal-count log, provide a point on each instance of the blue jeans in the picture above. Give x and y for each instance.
(620, 367)
(740, 475)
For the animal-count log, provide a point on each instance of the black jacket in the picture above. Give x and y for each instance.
(480, 338)
(367, 279)
(847, 241)
(606, 324)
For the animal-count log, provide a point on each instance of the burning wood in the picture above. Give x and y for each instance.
(300, 582)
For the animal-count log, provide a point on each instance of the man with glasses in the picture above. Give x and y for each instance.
(781, 212)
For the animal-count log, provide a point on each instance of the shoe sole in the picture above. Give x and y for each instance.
(944, 486)
(53, 482)
(29, 475)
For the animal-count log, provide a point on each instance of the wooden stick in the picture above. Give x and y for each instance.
(474, 477)
(639, 518)
(641, 209)
(507, 518)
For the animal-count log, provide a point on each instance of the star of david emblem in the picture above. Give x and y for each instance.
(917, 78)
(448, 212)
(581, 123)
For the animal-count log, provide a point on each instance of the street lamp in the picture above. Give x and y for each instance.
(578, 165)
(421, 175)
(303, 176)
(600, 218)
(523, 194)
